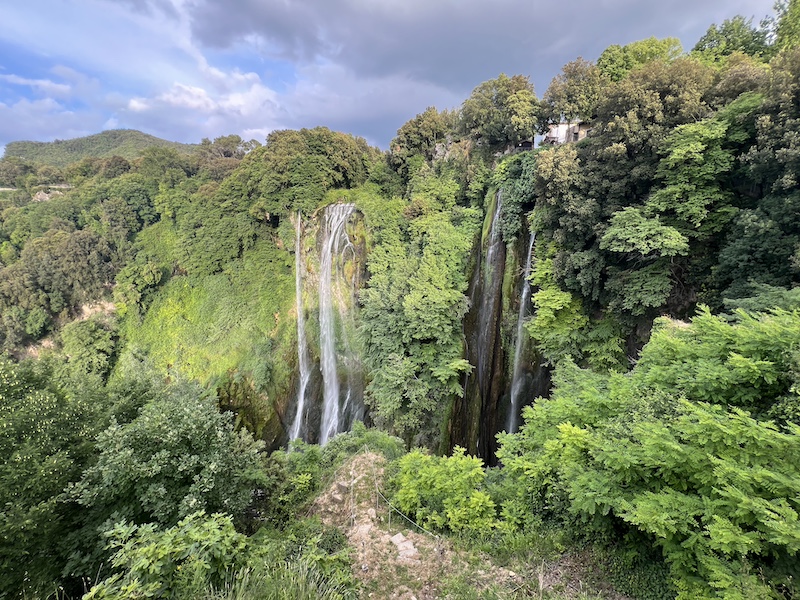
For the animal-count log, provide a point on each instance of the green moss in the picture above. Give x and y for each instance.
(240, 321)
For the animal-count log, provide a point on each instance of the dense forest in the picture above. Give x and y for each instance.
(564, 326)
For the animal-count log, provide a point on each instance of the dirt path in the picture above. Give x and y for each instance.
(395, 560)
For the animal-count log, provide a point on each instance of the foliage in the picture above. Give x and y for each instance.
(198, 551)
(45, 442)
(56, 272)
(203, 328)
(645, 453)
(750, 363)
(734, 35)
(14, 171)
(178, 456)
(788, 25)
(635, 211)
(515, 176)
(294, 169)
(767, 298)
(574, 93)
(360, 437)
(89, 347)
(420, 137)
(560, 327)
(309, 541)
(219, 158)
(443, 493)
(500, 112)
(616, 61)
(412, 309)
(297, 580)
(203, 556)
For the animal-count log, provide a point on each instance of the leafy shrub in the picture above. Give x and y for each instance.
(443, 492)
(296, 475)
(714, 488)
(45, 443)
(170, 563)
(89, 346)
(357, 439)
(180, 455)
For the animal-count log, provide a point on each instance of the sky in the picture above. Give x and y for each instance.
(184, 70)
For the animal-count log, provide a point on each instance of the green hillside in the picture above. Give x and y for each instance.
(127, 143)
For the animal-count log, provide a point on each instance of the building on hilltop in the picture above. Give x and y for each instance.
(564, 133)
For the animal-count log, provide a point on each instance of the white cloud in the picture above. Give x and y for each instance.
(188, 97)
(45, 119)
(43, 86)
(189, 112)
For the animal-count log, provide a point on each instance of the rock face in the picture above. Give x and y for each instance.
(475, 416)
(405, 547)
(42, 196)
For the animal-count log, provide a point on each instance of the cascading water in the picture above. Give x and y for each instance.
(518, 377)
(491, 287)
(303, 360)
(335, 244)
(474, 416)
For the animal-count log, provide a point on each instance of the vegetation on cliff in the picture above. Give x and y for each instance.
(148, 310)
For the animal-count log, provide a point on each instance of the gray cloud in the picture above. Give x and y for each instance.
(169, 67)
(455, 44)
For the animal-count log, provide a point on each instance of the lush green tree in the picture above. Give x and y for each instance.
(738, 74)
(749, 363)
(713, 487)
(56, 272)
(501, 112)
(734, 35)
(114, 167)
(787, 33)
(89, 346)
(45, 442)
(14, 170)
(219, 158)
(574, 93)
(617, 61)
(294, 170)
(156, 162)
(412, 308)
(516, 177)
(591, 195)
(444, 493)
(774, 160)
(199, 552)
(420, 137)
(179, 456)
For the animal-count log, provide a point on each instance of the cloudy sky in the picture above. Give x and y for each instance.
(188, 69)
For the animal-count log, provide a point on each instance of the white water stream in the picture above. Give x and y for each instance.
(335, 242)
(518, 377)
(303, 361)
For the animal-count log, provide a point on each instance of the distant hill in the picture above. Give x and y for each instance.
(127, 143)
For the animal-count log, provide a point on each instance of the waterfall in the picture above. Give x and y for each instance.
(303, 360)
(475, 414)
(492, 282)
(518, 377)
(335, 243)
